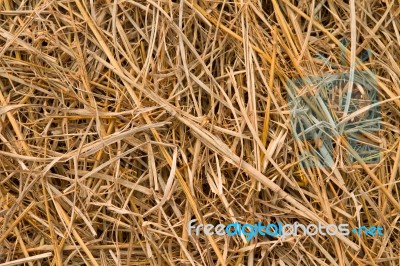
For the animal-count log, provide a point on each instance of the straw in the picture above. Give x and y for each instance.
(122, 121)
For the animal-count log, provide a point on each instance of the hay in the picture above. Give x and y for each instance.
(121, 121)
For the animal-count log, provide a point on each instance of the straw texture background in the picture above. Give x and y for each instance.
(122, 120)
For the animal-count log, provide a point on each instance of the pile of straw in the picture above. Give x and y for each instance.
(121, 121)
